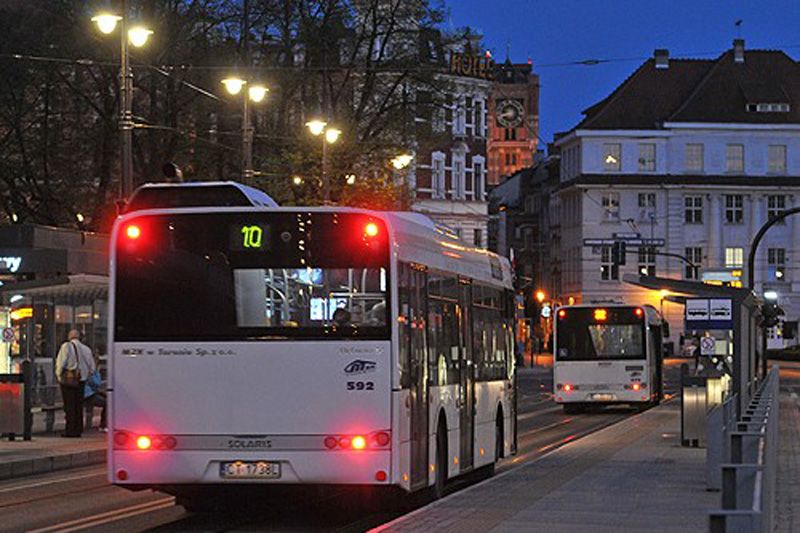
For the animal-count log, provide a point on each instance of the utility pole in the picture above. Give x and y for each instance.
(126, 108)
(247, 126)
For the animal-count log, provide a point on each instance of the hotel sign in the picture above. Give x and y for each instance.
(472, 66)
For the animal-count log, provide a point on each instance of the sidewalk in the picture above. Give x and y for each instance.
(632, 476)
(48, 452)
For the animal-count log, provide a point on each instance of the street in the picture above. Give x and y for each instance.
(81, 499)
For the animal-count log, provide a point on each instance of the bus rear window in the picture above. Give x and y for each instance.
(588, 334)
(247, 276)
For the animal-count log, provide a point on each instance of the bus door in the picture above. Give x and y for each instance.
(467, 377)
(419, 379)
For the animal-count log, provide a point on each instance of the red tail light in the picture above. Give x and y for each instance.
(375, 440)
(371, 229)
(143, 442)
(636, 386)
(125, 440)
(639, 311)
(381, 439)
(562, 313)
(133, 232)
(567, 387)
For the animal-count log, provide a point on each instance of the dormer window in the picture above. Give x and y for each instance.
(768, 108)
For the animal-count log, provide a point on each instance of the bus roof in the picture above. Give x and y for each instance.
(415, 238)
(197, 193)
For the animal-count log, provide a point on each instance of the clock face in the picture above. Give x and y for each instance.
(509, 113)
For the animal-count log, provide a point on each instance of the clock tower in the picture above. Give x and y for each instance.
(513, 120)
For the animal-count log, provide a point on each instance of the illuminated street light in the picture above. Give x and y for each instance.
(138, 35)
(316, 127)
(233, 85)
(540, 296)
(297, 180)
(350, 179)
(257, 93)
(106, 22)
(332, 135)
(771, 296)
(402, 161)
(80, 217)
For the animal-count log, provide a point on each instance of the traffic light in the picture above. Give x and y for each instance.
(770, 314)
(618, 253)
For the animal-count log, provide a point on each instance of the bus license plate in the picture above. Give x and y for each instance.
(250, 469)
(603, 397)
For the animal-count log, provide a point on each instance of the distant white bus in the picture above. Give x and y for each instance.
(304, 346)
(607, 354)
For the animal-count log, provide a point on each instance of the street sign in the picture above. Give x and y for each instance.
(697, 309)
(546, 311)
(720, 309)
(709, 313)
(8, 334)
(629, 242)
(707, 345)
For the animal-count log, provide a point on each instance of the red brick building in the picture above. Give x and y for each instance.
(513, 120)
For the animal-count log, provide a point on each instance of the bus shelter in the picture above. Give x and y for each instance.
(743, 324)
(41, 313)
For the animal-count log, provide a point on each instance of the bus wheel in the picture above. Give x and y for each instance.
(441, 460)
(499, 448)
(573, 408)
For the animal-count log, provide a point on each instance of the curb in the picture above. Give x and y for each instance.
(52, 463)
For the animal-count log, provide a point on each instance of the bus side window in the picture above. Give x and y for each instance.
(405, 319)
(443, 342)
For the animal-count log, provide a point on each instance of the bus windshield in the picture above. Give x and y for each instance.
(240, 276)
(586, 335)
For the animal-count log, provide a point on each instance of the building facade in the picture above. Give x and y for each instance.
(699, 153)
(448, 178)
(513, 120)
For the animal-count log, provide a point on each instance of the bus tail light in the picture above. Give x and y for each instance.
(639, 311)
(381, 439)
(375, 440)
(125, 440)
(562, 313)
(566, 387)
(371, 230)
(133, 232)
(636, 386)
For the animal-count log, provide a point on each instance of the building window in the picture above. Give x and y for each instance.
(610, 203)
(510, 134)
(647, 199)
(647, 261)
(437, 177)
(694, 157)
(647, 157)
(734, 257)
(608, 270)
(693, 209)
(776, 205)
(612, 156)
(776, 261)
(734, 210)
(508, 160)
(514, 159)
(478, 236)
(777, 159)
(734, 158)
(458, 179)
(477, 176)
(528, 238)
(695, 256)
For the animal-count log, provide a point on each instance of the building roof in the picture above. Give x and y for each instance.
(696, 90)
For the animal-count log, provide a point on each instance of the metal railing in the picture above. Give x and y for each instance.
(748, 479)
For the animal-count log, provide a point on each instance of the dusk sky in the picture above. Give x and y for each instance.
(561, 31)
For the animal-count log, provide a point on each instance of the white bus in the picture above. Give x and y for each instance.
(607, 354)
(304, 346)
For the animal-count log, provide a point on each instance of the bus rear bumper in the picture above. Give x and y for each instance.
(153, 468)
(600, 397)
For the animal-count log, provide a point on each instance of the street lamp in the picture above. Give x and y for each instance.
(402, 161)
(137, 36)
(319, 128)
(255, 93)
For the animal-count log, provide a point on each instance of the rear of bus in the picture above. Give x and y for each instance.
(601, 356)
(250, 346)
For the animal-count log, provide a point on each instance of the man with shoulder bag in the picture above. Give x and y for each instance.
(74, 365)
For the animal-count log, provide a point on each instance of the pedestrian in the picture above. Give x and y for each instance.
(74, 365)
(95, 396)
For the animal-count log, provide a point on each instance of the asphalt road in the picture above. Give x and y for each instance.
(81, 499)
